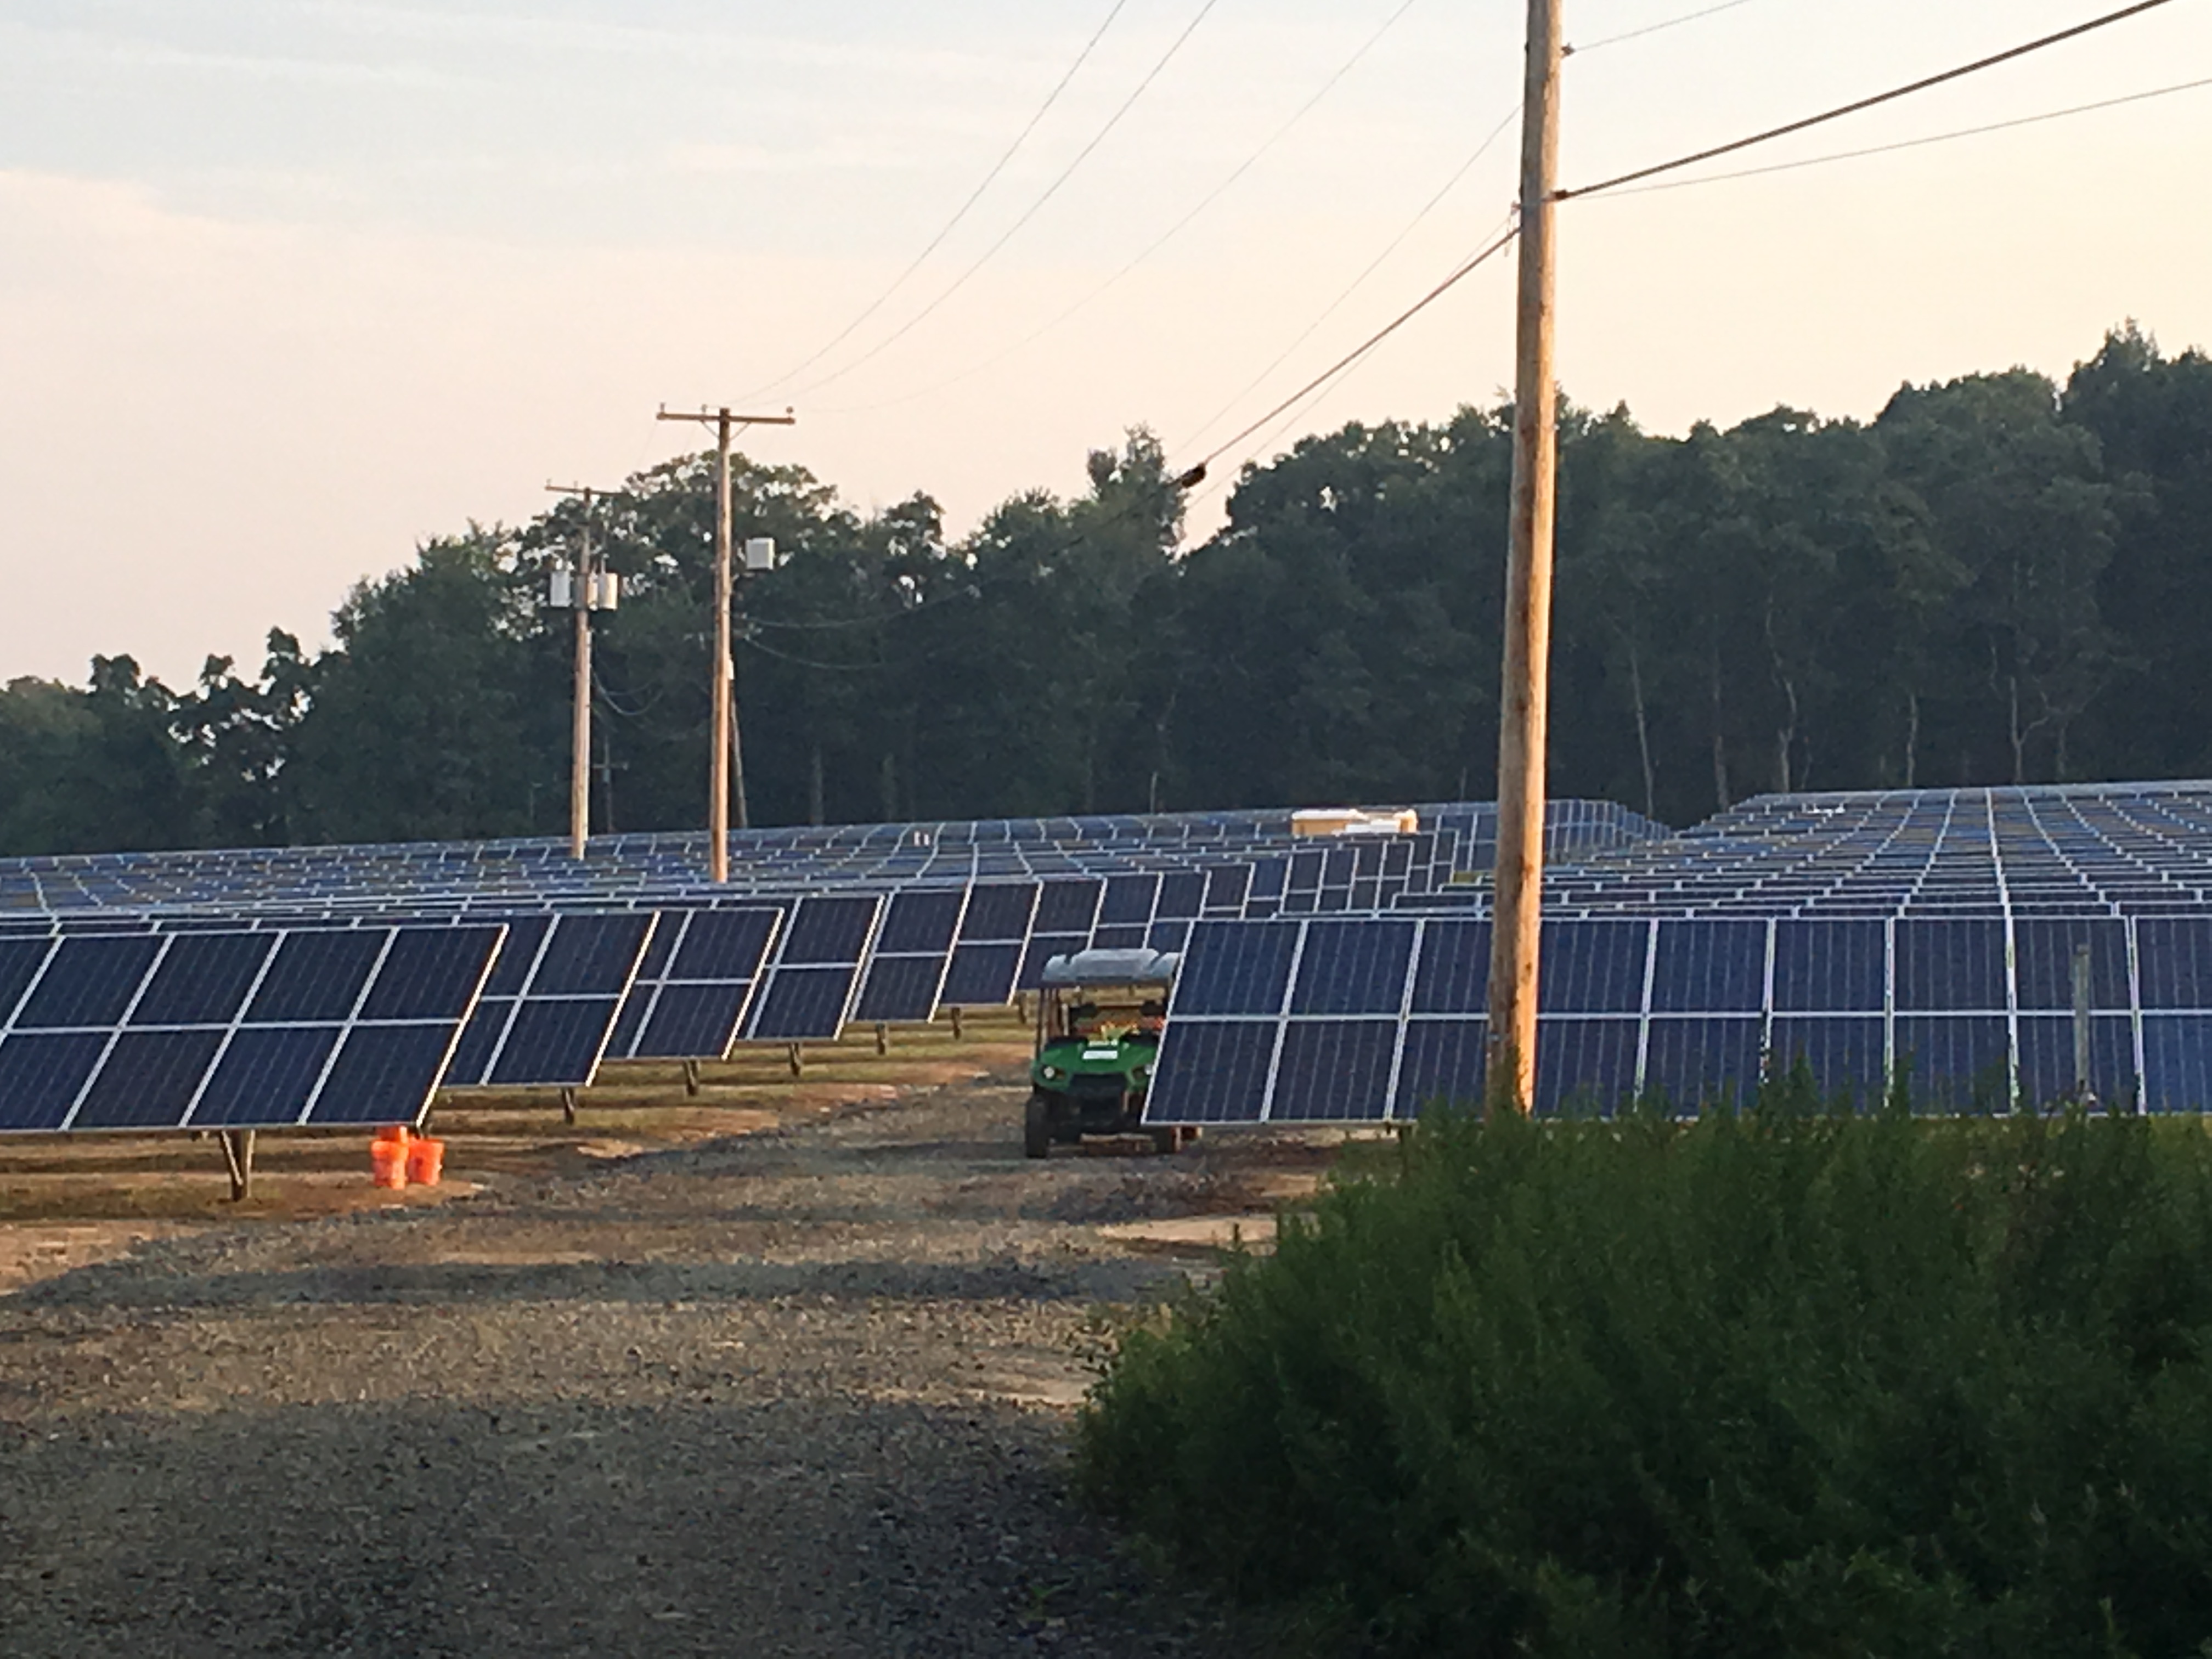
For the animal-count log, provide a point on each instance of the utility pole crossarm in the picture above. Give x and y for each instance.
(723, 742)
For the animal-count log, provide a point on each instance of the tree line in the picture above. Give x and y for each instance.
(1996, 579)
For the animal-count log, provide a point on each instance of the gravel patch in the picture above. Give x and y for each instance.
(805, 1393)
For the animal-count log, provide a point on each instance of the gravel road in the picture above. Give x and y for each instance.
(803, 1393)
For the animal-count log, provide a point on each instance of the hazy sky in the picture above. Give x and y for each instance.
(286, 286)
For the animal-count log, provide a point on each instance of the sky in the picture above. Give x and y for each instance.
(288, 287)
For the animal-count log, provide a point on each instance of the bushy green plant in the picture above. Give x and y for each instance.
(1786, 1381)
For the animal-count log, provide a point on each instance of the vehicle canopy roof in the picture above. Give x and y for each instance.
(1087, 968)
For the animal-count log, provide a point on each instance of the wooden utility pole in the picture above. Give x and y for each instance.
(1525, 704)
(582, 599)
(722, 746)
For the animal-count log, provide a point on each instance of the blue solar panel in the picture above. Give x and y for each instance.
(1212, 1072)
(1068, 906)
(2176, 1062)
(2044, 954)
(267, 1075)
(981, 977)
(20, 962)
(382, 1073)
(89, 982)
(1594, 967)
(1000, 914)
(1585, 1065)
(1956, 1063)
(429, 974)
(1453, 976)
(148, 1080)
(2176, 954)
(1944, 965)
(1443, 1064)
(808, 991)
(1696, 1062)
(2046, 1059)
(921, 922)
(555, 1040)
(803, 1004)
(1709, 967)
(1334, 1071)
(1236, 967)
(205, 980)
(1831, 967)
(1845, 1055)
(42, 1074)
(1353, 968)
(553, 1029)
(689, 998)
(317, 978)
(901, 989)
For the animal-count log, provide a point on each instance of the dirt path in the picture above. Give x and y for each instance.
(802, 1394)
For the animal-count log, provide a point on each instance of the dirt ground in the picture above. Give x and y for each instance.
(785, 1368)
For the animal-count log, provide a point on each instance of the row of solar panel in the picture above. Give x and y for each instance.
(234, 1030)
(1372, 1019)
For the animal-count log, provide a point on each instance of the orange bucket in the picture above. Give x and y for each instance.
(396, 1132)
(387, 1163)
(426, 1161)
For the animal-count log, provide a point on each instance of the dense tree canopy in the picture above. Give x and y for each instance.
(1996, 579)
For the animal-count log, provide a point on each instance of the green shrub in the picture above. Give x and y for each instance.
(1782, 1383)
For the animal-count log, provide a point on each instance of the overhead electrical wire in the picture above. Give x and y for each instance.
(1916, 143)
(1164, 237)
(1626, 35)
(1373, 265)
(959, 215)
(1029, 213)
(1350, 357)
(1187, 480)
(1891, 96)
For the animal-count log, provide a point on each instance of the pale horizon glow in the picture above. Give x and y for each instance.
(287, 290)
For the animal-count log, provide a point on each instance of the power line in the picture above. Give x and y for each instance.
(1652, 28)
(937, 241)
(1916, 143)
(1029, 213)
(1345, 369)
(1369, 345)
(1975, 67)
(1358, 282)
(1165, 236)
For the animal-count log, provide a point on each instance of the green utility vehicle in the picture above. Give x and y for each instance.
(1099, 1017)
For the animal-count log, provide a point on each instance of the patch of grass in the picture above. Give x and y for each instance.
(1789, 1380)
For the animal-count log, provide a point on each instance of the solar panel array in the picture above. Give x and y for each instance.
(639, 870)
(1863, 933)
(233, 1030)
(1930, 935)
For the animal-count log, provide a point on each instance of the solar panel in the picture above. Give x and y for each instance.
(549, 1011)
(808, 993)
(234, 1030)
(696, 980)
(989, 954)
(912, 954)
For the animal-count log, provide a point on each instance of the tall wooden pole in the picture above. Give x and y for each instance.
(580, 765)
(725, 757)
(1524, 705)
(718, 782)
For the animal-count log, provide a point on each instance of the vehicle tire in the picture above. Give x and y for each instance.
(1036, 1127)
